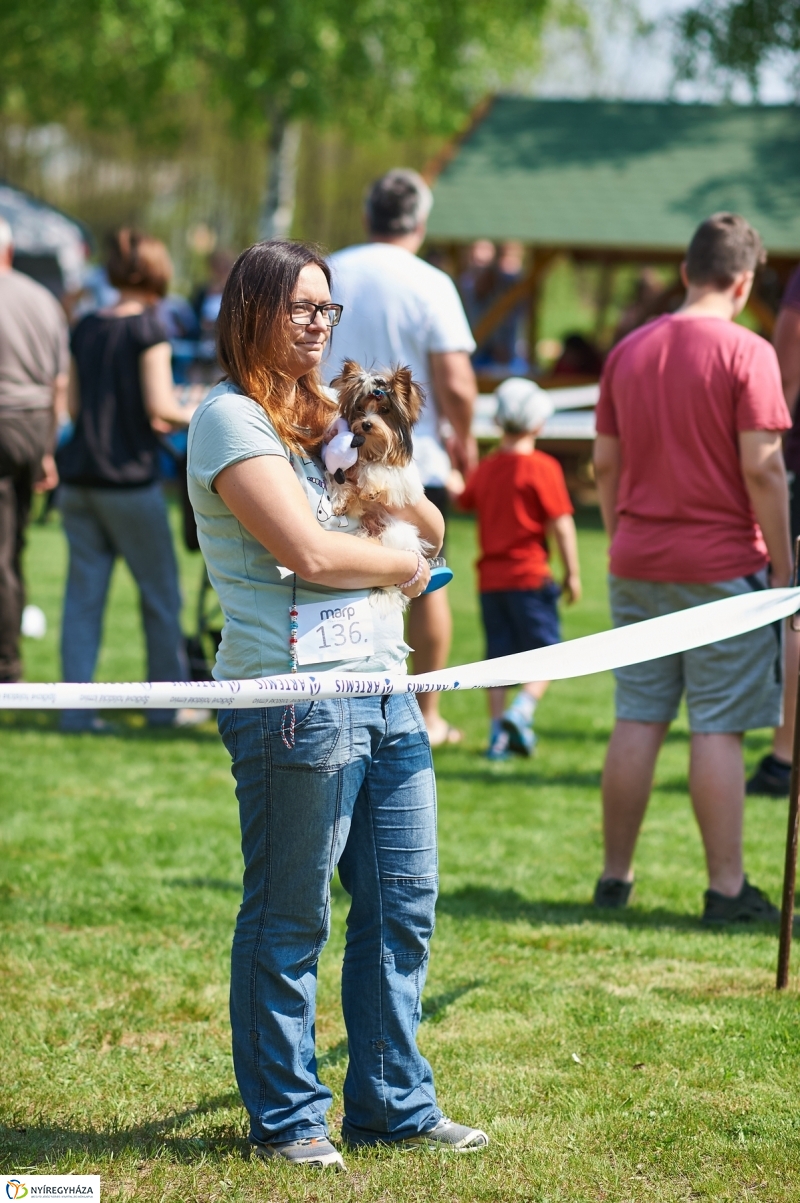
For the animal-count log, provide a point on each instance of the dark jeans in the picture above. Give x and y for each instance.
(100, 525)
(24, 439)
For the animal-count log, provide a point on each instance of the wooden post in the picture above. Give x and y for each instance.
(523, 290)
(605, 286)
(790, 867)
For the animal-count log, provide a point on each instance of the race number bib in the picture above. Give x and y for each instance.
(337, 629)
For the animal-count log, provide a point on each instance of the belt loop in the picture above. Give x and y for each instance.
(384, 703)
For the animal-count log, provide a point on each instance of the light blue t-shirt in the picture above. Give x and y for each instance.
(255, 598)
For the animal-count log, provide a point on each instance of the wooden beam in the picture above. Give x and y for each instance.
(523, 290)
(605, 286)
(451, 148)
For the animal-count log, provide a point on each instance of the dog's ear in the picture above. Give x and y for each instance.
(348, 386)
(350, 371)
(409, 395)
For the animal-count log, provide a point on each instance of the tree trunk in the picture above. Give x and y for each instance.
(278, 210)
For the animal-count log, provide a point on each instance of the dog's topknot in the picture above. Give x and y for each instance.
(392, 397)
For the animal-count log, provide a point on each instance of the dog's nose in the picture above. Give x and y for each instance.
(366, 425)
(357, 440)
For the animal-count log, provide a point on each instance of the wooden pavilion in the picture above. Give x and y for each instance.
(612, 183)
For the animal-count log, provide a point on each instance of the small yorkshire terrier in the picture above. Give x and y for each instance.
(380, 409)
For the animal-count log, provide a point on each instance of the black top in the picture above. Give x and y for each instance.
(114, 445)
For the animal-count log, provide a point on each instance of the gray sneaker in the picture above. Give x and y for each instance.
(449, 1135)
(315, 1151)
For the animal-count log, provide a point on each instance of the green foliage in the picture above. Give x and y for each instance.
(616, 1058)
(111, 60)
(397, 64)
(736, 37)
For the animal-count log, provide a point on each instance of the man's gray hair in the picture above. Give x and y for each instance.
(398, 202)
(6, 235)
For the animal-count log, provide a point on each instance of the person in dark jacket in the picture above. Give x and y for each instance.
(120, 384)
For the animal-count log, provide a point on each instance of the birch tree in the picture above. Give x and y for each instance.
(736, 38)
(404, 66)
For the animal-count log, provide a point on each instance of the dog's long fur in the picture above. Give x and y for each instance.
(380, 406)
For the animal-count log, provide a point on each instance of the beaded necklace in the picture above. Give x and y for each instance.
(287, 718)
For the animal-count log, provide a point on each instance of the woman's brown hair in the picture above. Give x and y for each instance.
(136, 260)
(253, 325)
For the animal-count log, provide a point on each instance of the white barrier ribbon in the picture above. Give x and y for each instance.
(649, 640)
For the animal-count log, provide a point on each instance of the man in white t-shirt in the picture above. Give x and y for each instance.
(398, 309)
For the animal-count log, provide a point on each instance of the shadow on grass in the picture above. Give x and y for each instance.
(123, 724)
(332, 1057)
(507, 906)
(40, 1145)
(434, 1006)
(515, 773)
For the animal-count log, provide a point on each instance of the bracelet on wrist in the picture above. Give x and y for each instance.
(413, 580)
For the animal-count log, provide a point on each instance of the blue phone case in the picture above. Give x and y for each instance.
(441, 575)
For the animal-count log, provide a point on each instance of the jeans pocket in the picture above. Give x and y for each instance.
(321, 736)
(412, 705)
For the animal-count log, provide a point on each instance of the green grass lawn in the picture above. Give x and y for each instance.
(622, 1058)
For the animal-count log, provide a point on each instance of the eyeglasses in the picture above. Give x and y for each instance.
(303, 313)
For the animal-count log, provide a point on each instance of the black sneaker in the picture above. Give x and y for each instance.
(610, 894)
(772, 777)
(749, 906)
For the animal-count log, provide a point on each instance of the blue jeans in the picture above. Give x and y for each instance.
(356, 790)
(101, 524)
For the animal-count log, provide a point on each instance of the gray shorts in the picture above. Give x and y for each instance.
(735, 685)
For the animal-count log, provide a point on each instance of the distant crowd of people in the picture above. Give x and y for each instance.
(690, 461)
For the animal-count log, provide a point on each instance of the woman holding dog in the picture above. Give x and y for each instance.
(325, 783)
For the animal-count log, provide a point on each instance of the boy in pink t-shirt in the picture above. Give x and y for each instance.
(693, 492)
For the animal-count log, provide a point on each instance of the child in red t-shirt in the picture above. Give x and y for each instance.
(521, 498)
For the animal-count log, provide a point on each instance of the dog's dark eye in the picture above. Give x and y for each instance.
(384, 409)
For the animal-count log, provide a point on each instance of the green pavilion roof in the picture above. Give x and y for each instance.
(620, 175)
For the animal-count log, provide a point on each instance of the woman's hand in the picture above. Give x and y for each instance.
(423, 580)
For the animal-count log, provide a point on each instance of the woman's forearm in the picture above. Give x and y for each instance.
(265, 496)
(160, 394)
(345, 562)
